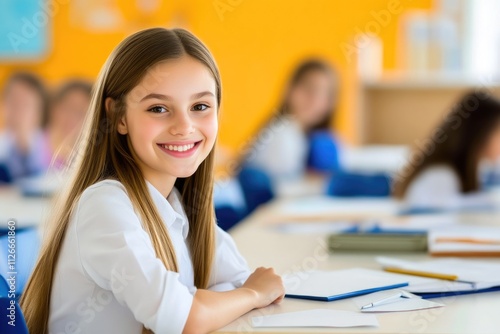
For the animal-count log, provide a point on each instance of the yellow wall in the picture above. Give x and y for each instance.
(255, 42)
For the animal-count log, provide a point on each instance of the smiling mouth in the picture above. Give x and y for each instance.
(179, 148)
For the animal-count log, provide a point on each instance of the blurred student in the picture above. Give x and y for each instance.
(68, 110)
(136, 225)
(448, 173)
(284, 146)
(24, 149)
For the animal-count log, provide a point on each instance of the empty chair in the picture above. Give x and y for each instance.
(257, 187)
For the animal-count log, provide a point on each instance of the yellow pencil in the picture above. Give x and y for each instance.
(421, 273)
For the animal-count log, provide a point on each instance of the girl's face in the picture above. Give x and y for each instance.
(171, 119)
(23, 108)
(310, 100)
(492, 149)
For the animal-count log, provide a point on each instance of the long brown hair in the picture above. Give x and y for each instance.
(457, 142)
(107, 154)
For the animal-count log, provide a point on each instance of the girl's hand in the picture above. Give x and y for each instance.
(267, 286)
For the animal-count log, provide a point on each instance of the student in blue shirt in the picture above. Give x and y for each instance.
(298, 136)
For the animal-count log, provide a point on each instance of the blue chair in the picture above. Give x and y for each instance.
(5, 176)
(227, 216)
(346, 184)
(4, 287)
(12, 318)
(27, 247)
(323, 152)
(256, 185)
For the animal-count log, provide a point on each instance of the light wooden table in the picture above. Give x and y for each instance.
(262, 245)
(26, 211)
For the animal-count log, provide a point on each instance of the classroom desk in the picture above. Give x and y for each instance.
(263, 245)
(27, 211)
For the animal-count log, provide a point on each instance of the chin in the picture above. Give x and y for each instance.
(187, 172)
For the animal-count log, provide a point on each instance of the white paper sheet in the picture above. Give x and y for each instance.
(401, 305)
(316, 318)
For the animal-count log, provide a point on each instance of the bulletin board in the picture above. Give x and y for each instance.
(24, 29)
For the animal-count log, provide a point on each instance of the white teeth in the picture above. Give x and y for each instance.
(180, 148)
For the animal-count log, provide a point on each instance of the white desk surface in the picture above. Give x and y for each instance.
(262, 245)
(26, 211)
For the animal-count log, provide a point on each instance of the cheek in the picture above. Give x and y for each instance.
(494, 147)
(143, 132)
(210, 128)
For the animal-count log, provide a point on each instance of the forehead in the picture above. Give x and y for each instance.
(178, 78)
(317, 76)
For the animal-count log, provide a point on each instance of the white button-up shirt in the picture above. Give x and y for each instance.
(108, 278)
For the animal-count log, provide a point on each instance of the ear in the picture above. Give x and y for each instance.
(109, 103)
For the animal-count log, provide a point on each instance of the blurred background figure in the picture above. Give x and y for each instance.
(298, 138)
(24, 150)
(457, 160)
(68, 110)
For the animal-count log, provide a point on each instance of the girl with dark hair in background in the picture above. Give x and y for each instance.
(449, 176)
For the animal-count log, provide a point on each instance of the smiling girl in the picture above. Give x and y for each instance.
(134, 246)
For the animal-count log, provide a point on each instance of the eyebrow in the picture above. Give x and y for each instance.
(167, 98)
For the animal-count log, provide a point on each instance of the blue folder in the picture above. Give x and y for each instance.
(456, 293)
(339, 284)
(347, 295)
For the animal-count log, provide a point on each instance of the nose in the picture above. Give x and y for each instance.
(182, 124)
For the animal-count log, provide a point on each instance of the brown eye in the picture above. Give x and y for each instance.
(200, 107)
(158, 109)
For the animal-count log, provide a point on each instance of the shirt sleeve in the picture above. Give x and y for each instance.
(281, 151)
(117, 254)
(436, 187)
(230, 269)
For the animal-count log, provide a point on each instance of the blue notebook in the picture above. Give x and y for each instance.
(431, 295)
(339, 284)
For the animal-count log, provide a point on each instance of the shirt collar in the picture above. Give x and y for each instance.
(170, 208)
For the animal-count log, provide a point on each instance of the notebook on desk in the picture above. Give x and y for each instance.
(465, 241)
(339, 284)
